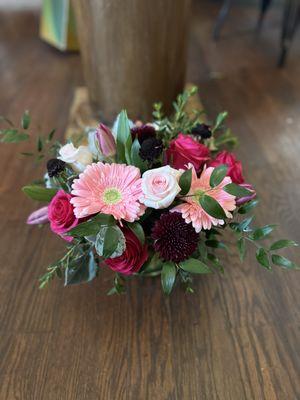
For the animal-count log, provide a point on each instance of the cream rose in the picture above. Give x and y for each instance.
(160, 187)
(78, 158)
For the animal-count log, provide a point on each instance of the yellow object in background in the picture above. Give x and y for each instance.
(57, 25)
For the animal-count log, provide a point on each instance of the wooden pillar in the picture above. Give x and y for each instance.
(133, 53)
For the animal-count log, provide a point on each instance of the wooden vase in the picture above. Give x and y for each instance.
(133, 53)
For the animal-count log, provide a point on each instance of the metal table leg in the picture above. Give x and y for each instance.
(221, 18)
(264, 6)
(291, 17)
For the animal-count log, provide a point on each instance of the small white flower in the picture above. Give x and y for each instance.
(78, 158)
(160, 187)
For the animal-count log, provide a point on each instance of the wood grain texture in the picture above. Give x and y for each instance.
(238, 337)
(133, 54)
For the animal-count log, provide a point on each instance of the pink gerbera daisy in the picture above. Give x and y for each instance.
(192, 211)
(113, 189)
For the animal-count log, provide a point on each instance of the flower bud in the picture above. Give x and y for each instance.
(245, 199)
(106, 141)
(39, 216)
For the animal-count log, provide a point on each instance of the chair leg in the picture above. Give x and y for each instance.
(291, 16)
(264, 6)
(221, 18)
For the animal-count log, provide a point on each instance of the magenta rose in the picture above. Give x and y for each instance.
(234, 166)
(133, 257)
(61, 214)
(184, 149)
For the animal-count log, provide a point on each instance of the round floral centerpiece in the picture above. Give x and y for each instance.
(147, 199)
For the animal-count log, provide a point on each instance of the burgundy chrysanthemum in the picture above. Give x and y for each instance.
(174, 239)
(143, 132)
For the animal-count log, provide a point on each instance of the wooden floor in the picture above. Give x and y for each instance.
(238, 337)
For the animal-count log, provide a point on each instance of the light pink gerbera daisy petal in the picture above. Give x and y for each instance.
(113, 189)
(192, 211)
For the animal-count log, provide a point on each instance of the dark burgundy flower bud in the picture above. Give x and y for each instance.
(151, 149)
(55, 166)
(143, 132)
(202, 130)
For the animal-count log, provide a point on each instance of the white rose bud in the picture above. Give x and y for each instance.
(78, 158)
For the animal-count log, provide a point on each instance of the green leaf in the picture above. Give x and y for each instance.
(195, 266)
(212, 207)
(92, 227)
(281, 244)
(25, 122)
(202, 250)
(261, 233)
(263, 258)
(82, 269)
(235, 226)
(152, 266)
(241, 226)
(237, 190)
(241, 245)
(168, 276)
(135, 156)
(138, 230)
(110, 242)
(13, 136)
(51, 134)
(244, 225)
(124, 140)
(244, 209)
(283, 262)
(39, 193)
(225, 139)
(185, 181)
(119, 286)
(218, 175)
(216, 244)
(215, 261)
(220, 119)
(39, 144)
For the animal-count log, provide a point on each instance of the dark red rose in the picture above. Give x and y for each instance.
(234, 166)
(61, 215)
(133, 257)
(184, 149)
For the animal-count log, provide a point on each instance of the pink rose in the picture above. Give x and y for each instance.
(133, 257)
(61, 214)
(184, 149)
(234, 166)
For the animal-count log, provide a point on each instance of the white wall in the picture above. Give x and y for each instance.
(19, 4)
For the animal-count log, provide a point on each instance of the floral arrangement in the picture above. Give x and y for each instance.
(147, 199)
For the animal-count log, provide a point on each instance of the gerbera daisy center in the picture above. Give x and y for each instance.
(111, 196)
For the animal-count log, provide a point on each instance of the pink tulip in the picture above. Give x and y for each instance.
(106, 141)
(39, 216)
